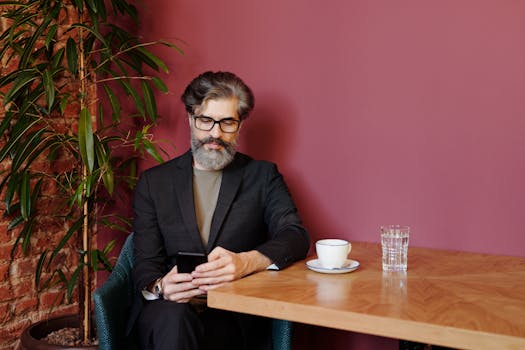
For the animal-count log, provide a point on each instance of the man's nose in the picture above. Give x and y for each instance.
(216, 131)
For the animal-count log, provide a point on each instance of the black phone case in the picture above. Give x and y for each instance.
(187, 261)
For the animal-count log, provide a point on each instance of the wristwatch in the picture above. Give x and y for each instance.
(157, 288)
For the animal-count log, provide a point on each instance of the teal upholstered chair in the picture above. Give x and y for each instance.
(113, 299)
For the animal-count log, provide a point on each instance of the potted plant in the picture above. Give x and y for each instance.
(66, 57)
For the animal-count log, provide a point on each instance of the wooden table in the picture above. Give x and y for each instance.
(455, 299)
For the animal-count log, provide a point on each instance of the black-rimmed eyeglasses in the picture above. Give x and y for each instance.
(228, 125)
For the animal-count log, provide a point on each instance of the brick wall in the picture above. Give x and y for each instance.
(20, 303)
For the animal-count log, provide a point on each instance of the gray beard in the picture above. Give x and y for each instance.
(212, 159)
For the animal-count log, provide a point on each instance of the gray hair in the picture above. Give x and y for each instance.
(215, 85)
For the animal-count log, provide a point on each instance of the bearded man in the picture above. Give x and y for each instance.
(235, 210)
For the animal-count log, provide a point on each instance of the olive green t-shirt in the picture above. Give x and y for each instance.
(206, 186)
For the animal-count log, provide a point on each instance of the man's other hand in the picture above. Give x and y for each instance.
(226, 266)
(178, 287)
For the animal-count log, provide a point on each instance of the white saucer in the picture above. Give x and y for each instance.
(349, 266)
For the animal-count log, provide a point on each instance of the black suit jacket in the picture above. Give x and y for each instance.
(254, 211)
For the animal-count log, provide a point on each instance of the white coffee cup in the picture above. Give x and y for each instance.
(332, 253)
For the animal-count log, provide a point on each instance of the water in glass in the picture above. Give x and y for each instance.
(394, 242)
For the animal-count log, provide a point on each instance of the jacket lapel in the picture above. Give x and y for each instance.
(183, 188)
(231, 181)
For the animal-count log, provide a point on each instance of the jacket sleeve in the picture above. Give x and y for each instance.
(149, 252)
(289, 240)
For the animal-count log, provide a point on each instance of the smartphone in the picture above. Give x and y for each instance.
(187, 261)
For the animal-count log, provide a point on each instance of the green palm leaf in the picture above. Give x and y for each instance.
(85, 139)
(72, 55)
(49, 87)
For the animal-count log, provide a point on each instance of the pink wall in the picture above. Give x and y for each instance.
(407, 112)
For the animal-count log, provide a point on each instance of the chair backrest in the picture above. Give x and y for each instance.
(113, 299)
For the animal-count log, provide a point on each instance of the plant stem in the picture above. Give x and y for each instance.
(85, 296)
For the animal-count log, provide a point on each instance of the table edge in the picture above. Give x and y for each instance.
(364, 323)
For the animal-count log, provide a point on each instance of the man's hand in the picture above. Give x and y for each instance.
(225, 266)
(178, 287)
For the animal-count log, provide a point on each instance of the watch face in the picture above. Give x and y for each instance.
(157, 289)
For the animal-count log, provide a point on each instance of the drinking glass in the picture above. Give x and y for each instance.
(394, 243)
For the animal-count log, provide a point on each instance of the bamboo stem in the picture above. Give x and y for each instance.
(84, 297)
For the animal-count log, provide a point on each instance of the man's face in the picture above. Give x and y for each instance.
(214, 149)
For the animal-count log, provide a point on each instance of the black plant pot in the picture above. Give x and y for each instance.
(30, 339)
